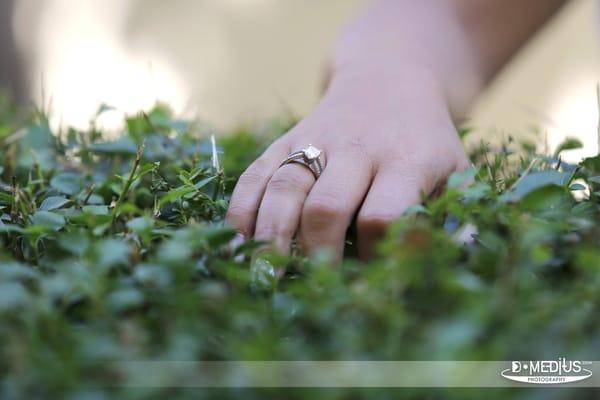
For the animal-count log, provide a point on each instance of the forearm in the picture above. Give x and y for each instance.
(459, 44)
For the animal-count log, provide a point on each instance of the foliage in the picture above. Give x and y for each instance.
(116, 250)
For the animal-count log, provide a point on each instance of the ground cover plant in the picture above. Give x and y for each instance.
(116, 250)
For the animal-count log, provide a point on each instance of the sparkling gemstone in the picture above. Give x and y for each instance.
(311, 152)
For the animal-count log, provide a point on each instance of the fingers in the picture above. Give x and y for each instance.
(248, 192)
(279, 213)
(333, 201)
(392, 192)
(274, 203)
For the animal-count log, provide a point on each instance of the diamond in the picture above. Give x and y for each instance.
(311, 152)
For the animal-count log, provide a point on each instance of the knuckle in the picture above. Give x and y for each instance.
(280, 145)
(374, 222)
(359, 153)
(271, 231)
(419, 159)
(251, 177)
(320, 211)
(240, 217)
(238, 211)
(423, 165)
(285, 181)
(261, 163)
(422, 173)
(355, 146)
(258, 171)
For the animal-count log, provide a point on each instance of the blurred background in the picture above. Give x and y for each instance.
(235, 61)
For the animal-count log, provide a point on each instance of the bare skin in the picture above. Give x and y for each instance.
(401, 75)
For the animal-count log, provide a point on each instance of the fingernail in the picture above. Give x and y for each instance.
(234, 244)
(237, 241)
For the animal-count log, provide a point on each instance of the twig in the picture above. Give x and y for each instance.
(525, 173)
(215, 154)
(136, 164)
(89, 194)
(220, 183)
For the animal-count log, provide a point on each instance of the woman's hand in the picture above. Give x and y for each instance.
(387, 140)
(384, 122)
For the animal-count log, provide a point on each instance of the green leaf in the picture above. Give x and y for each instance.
(67, 183)
(9, 228)
(176, 194)
(568, 144)
(594, 179)
(11, 271)
(53, 203)
(145, 169)
(93, 199)
(174, 251)
(476, 192)
(112, 252)
(536, 180)
(218, 236)
(37, 147)
(121, 146)
(48, 220)
(76, 243)
(96, 210)
(13, 296)
(204, 182)
(124, 299)
(7, 198)
(103, 109)
(153, 275)
(577, 186)
(592, 164)
(459, 178)
(416, 209)
(140, 224)
(549, 199)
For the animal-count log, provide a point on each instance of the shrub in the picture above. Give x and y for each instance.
(116, 250)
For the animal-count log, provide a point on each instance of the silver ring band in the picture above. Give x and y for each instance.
(310, 157)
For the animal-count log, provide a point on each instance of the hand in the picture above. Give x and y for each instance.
(386, 145)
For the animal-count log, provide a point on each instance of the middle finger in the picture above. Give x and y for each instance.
(333, 201)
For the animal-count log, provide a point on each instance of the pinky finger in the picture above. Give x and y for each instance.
(391, 193)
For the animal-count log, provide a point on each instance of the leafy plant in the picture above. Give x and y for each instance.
(116, 250)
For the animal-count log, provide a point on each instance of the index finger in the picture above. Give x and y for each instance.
(250, 188)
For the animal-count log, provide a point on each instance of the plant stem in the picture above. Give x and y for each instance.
(89, 194)
(136, 164)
